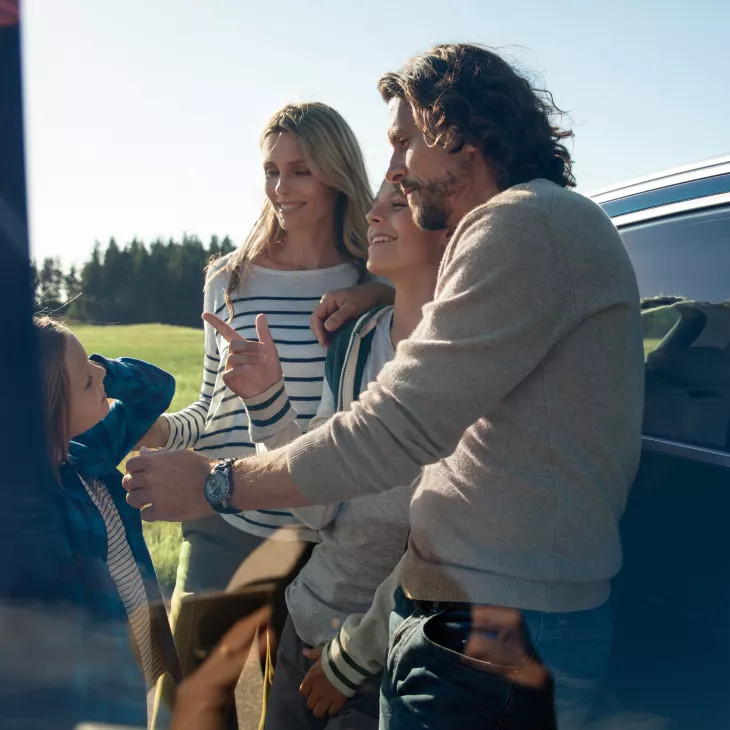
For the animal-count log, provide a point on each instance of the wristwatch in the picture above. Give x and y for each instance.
(219, 487)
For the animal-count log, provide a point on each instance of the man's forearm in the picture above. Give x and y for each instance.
(263, 482)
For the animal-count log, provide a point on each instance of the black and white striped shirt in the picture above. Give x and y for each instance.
(216, 424)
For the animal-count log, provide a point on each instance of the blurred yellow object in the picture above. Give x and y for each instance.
(268, 681)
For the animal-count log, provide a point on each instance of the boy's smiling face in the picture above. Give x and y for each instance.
(397, 246)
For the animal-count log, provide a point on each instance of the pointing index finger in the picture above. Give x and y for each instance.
(222, 328)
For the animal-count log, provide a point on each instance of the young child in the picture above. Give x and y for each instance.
(365, 538)
(89, 573)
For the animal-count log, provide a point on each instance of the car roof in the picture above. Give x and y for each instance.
(692, 171)
(698, 185)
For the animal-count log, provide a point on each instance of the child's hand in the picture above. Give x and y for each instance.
(322, 696)
(251, 367)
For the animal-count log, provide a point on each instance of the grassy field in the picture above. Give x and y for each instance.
(179, 350)
(649, 345)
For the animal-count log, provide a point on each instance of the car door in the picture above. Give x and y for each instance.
(671, 601)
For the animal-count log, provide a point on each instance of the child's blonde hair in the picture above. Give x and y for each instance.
(52, 337)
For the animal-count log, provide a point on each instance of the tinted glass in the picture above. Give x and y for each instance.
(687, 255)
(687, 344)
(669, 194)
(673, 584)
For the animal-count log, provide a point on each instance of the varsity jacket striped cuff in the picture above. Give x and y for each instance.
(269, 412)
(359, 651)
(345, 674)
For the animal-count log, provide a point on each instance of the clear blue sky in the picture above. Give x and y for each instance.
(144, 116)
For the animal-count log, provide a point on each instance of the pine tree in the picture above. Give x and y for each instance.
(72, 292)
(91, 306)
(50, 285)
(133, 284)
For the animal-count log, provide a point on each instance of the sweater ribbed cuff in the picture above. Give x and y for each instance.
(345, 674)
(172, 433)
(269, 412)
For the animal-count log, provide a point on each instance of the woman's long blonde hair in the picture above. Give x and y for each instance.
(334, 157)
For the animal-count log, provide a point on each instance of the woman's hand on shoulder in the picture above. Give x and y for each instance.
(337, 307)
(251, 367)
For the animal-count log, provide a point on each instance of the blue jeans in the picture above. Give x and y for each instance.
(428, 685)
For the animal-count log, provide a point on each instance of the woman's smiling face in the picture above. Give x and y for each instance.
(299, 199)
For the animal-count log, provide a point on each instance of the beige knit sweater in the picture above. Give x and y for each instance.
(521, 392)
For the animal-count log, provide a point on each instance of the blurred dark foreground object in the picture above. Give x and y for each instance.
(205, 698)
(212, 615)
(518, 697)
(517, 689)
(201, 619)
(501, 642)
(26, 515)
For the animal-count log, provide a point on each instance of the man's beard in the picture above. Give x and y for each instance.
(434, 208)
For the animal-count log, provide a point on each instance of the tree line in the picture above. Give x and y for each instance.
(131, 284)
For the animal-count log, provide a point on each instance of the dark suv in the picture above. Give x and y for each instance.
(670, 666)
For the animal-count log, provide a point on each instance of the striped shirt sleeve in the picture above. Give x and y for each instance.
(359, 651)
(272, 419)
(187, 425)
(272, 424)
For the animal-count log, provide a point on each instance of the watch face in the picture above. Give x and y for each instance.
(216, 487)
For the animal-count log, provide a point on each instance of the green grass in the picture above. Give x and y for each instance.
(179, 350)
(163, 540)
(649, 345)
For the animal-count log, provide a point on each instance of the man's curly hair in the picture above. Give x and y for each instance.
(463, 93)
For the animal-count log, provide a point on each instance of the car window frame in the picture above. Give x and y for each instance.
(671, 209)
(684, 450)
(693, 190)
(680, 449)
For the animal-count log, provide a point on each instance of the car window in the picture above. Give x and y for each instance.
(687, 255)
(681, 265)
(713, 185)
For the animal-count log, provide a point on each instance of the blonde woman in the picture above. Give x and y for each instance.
(311, 237)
